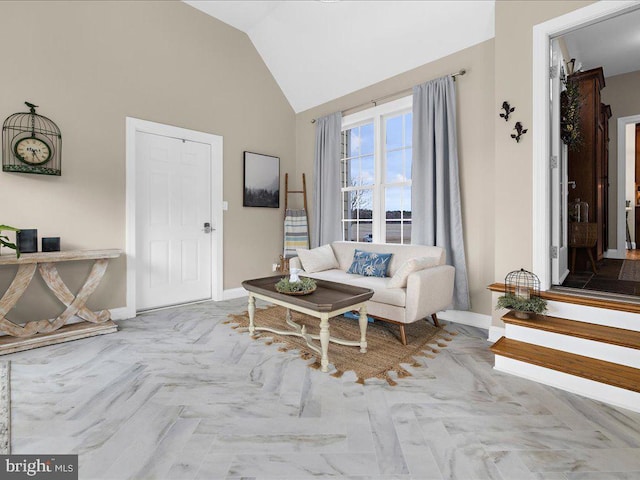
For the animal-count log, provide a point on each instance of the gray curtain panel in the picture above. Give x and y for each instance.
(435, 189)
(327, 208)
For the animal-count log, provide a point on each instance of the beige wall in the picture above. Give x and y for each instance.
(513, 162)
(475, 138)
(91, 64)
(621, 93)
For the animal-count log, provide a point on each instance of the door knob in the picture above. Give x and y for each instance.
(207, 227)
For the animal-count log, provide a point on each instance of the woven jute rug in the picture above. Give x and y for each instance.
(385, 353)
(630, 271)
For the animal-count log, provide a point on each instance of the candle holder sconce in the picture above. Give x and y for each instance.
(508, 110)
(520, 131)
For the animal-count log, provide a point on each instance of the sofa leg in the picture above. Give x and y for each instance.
(403, 335)
(435, 320)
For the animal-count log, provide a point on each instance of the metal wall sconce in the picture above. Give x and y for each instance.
(508, 110)
(520, 131)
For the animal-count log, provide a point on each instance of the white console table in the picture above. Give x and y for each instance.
(39, 333)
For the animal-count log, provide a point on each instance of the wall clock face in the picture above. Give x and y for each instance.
(32, 151)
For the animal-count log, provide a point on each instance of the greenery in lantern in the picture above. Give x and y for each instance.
(521, 304)
(522, 294)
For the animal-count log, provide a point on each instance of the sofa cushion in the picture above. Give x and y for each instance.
(382, 294)
(401, 253)
(317, 259)
(369, 264)
(399, 280)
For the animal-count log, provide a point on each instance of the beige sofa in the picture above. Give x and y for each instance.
(427, 291)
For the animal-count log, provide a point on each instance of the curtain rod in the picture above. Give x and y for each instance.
(377, 100)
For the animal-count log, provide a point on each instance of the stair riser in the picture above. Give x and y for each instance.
(582, 386)
(579, 346)
(599, 316)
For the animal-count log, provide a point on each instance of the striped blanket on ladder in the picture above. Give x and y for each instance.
(296, 232)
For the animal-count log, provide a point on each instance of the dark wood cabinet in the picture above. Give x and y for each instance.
(588, 164)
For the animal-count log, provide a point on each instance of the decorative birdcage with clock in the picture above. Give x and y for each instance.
(31, 143)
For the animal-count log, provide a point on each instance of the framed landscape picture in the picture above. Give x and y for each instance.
(261, 180)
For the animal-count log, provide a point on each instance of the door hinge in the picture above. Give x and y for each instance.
(554, 252)
(553, 71)
(553, 161)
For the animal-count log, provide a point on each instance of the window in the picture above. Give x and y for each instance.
(376, 174)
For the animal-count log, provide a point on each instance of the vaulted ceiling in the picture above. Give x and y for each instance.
(321, 50)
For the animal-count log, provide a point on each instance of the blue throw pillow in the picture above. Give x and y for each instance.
(370, 264)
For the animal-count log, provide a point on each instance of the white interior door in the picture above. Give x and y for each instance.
(559, 177)
(173, 221)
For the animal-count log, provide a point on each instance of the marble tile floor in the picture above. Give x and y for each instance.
(178, 394)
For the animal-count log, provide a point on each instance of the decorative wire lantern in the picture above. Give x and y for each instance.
(522, 284)
(31, 143)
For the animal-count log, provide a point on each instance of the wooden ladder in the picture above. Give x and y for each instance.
(283, 266)
(287, 192)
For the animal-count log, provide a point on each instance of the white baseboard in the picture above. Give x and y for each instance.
(614, 253)
(466, 318)
(122, 313)
(495, 333)
(582, 386)
(234, 293)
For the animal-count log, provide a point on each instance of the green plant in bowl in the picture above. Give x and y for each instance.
(4, 240)
(303, 286)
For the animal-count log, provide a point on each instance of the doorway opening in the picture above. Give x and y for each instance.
(593, 182)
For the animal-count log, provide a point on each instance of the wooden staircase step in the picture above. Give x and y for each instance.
(608, 373)
(588, 331)
(585, 299)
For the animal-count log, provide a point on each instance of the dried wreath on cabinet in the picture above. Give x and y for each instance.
(570, 104)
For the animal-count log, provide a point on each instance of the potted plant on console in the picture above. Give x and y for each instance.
(4, 240)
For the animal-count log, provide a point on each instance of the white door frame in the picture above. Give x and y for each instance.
(135, 125)
(622, 171)
(541, 127)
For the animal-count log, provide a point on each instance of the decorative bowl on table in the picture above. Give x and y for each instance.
(304, 286)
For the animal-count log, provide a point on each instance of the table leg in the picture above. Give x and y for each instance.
(363, 321)
(324, 342)
(252, 312)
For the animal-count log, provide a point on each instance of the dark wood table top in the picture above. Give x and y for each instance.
(329, 296)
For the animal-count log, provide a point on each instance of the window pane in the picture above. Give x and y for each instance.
(344, 172)
(364, 232)
(353, 166)
(393, 129)
(393, 231)
(408, 129)
(350, 231)
(395, 169)
(358, 204)
(347, 212)
(393, 201)
(367, 171)
(408, 160)
(352, 142)
(397, 214)
(406, 233)
(366, 139)
(358, 231)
